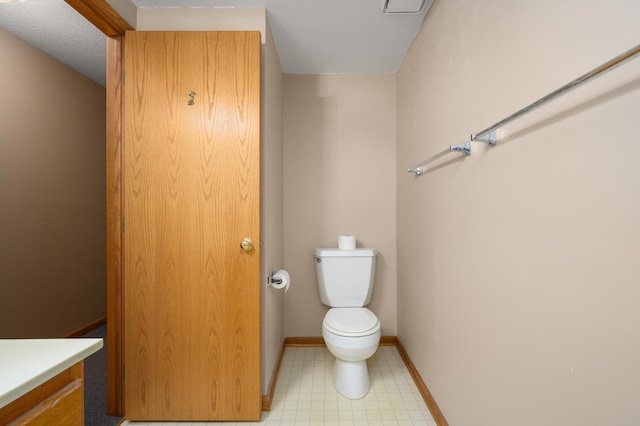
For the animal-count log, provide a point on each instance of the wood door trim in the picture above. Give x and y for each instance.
(267, 399)
(422, 387)
(102, 15)
(115, 357)
(106, 19)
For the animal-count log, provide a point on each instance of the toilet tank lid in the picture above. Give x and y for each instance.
(333, 252)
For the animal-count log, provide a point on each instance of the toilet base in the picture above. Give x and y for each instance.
(351, 378)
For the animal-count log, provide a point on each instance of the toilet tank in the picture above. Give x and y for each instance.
(345, 277)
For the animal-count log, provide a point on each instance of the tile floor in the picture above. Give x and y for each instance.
(305, 395)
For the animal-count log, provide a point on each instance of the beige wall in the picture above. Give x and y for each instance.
(339, 178)
(234, 19)
(52, 195)
(202, 19)
(272, 205)
(518, 272)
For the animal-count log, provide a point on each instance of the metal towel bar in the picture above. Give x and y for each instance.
(485, 135)
(461, 147)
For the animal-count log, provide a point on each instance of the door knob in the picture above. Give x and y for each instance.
(246, 244)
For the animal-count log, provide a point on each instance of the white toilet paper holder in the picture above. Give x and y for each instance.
(271, 280)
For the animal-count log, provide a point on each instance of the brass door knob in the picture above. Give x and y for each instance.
(246, 244)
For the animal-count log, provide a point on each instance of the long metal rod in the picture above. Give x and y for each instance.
(460, 147)
(482, 135)
(417, 167)
(594, 73)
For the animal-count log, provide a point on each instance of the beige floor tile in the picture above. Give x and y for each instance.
(304, 394)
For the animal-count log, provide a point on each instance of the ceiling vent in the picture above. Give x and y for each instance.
(405, 6)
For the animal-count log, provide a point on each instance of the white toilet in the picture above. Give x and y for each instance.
(351, 331)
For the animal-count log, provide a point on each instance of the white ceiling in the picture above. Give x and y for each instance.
(55, 28)
(311, 36)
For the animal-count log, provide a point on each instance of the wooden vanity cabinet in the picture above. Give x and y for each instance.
(58, 401)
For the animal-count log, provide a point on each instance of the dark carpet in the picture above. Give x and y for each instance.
(95, 385)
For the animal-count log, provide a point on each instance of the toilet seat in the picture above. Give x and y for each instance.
(351, 322)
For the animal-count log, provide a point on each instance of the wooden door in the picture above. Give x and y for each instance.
(191, 171)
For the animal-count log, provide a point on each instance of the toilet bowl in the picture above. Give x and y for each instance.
(351, 331)
(352, 335)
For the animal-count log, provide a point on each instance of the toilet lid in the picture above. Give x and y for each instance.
(351, 321)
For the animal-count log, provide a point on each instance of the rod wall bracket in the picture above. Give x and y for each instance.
(489, 139)
(461, 147)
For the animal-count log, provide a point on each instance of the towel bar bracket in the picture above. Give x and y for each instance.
(490, 139)
(461, 147)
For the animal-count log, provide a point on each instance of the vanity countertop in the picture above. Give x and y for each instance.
(27, 363)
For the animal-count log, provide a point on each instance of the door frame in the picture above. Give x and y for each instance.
(115, 323)
(107, 20)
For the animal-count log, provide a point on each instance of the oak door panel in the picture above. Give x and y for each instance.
(191, 152)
